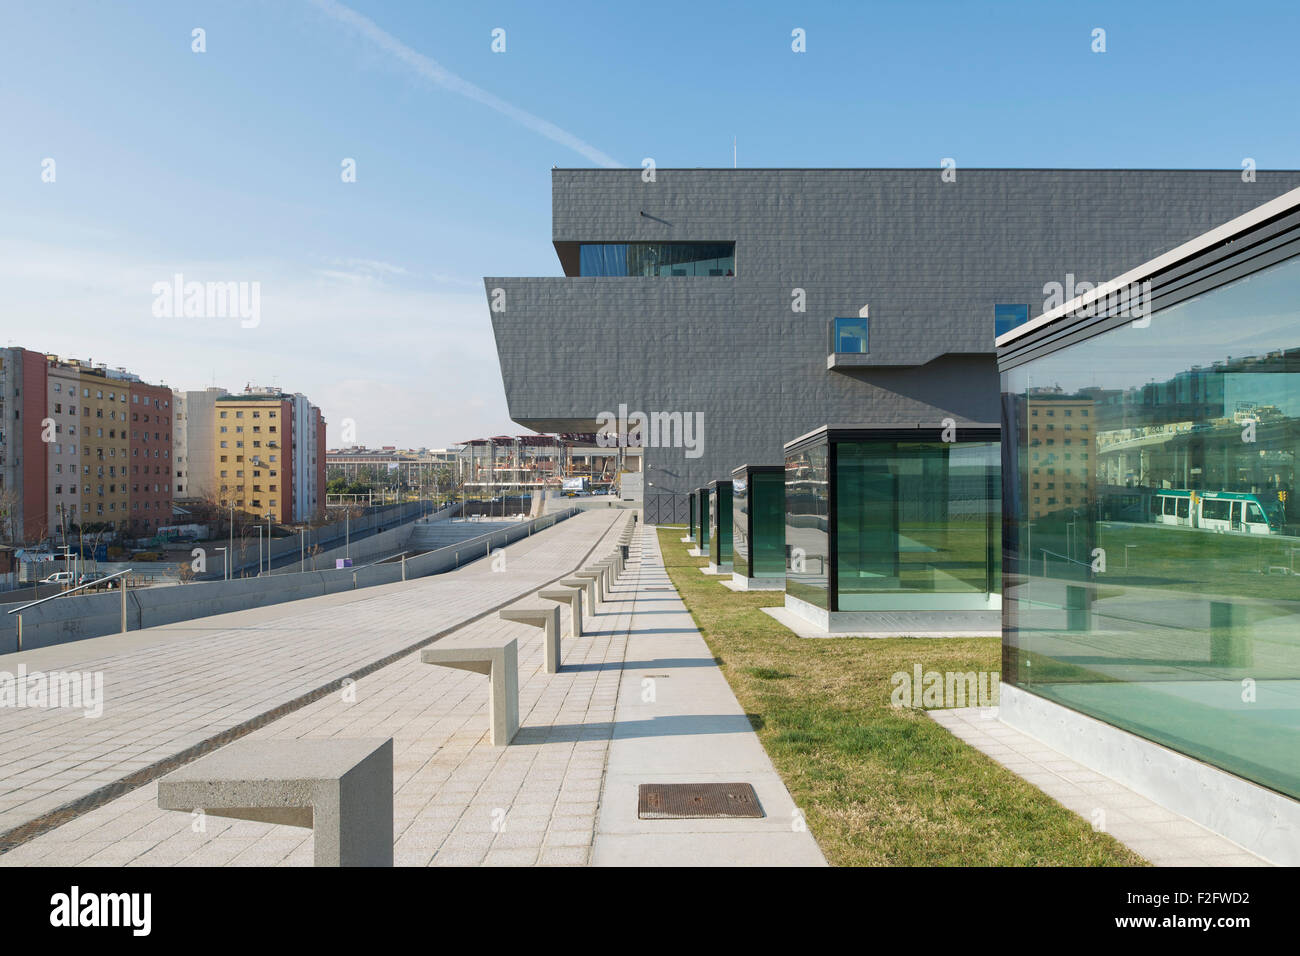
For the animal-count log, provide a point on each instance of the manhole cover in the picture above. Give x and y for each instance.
(670, 801)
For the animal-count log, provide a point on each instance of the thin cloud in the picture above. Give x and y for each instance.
(435, 73)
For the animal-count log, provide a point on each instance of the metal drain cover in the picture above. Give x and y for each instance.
(672, 801)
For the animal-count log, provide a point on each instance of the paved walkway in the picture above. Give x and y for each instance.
(679, 722)
(1161, 836)
(173, 688)
(564, 793)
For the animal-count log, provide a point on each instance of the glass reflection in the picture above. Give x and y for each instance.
(807, 536)
(1152, 527)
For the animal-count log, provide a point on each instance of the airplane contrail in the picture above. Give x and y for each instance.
(434, 72)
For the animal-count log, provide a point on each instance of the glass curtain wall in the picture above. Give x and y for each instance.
(767, 506)
(740, 543)
(807, 533)
(702, 497)
(720, 524)
(758, 521)
(1153, 526)
(623, 259)
(916, 523)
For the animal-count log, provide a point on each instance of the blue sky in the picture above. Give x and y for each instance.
(225, 165)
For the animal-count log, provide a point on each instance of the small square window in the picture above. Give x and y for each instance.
(1008, 317)
(851, 336)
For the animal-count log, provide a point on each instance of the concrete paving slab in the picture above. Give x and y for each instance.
(1148, 829)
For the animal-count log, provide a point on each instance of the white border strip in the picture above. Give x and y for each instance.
(1202, 242)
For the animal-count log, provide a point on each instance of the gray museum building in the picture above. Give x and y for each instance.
(838, 323)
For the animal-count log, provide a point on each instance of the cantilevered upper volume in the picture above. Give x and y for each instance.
(739, 309)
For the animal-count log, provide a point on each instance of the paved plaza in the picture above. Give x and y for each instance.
(637, 700)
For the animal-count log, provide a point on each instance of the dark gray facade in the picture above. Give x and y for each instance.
(930, 258)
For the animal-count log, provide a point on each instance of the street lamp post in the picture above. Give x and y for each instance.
(259, 550)
(225, 563)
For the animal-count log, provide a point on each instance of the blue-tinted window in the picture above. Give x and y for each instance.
(1008, 317)
(851, 335)
(716, 259)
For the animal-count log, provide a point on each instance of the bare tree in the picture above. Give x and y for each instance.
(9, 506)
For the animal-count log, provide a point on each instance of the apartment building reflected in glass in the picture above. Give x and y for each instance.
(1152, 523)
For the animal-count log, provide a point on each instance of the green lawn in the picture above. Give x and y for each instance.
(880, 786)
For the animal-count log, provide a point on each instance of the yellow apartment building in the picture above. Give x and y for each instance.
(105, 464)
(1062, 453)
(253, 469)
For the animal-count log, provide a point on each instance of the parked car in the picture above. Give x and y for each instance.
(96, 580)
(59, 577)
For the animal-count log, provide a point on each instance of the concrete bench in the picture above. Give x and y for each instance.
(571, 595)
(547, 618)
(500, 663)
(586, 584)
(342, 790)
(609, 568)
(597, 578)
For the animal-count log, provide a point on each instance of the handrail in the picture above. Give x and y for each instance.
(63, 594)
(1064, 557)
(489, 534)
(389, 558)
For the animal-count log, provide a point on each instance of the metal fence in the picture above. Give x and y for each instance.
(667, 508)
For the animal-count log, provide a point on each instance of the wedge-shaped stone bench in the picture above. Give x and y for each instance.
(586, 584)
(572, 596)
(342, 790)
(610, 565)
(547, 618)
(500, 662)
(597, 578)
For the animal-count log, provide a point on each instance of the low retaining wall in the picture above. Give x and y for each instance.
(94, 615)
